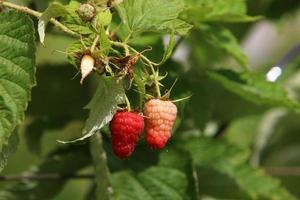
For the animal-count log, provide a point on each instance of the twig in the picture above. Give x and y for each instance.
(45, 177)
(283, 171)
(38, 15)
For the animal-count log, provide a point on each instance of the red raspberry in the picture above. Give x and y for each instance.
(126, 128)
(160, 118)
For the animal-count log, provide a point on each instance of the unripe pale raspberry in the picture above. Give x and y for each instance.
(86, 66)
(160, 118)
(126, 128)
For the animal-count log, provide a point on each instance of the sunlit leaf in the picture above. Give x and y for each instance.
(153, 15)
(255, 88)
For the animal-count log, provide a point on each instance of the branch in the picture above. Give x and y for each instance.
(38, 15)
(45, 177)
(274, 171)
(283, 171)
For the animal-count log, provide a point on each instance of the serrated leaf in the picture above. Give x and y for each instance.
(229, 159)
(152, 184)
(63, 161)
(254, 88)
(104, 42)
(102, 106)
(73, 21)
(17, 76)
(221, 37)
(178, 159)
(217, 10)
(153, 15)
(104, 189)
(55, 9)
(102, 19)
(169, 50)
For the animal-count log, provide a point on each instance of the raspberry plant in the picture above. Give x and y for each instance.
(123, 59)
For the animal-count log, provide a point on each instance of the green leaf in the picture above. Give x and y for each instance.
(229, 159)
(55, 9)
(73, 21)
(169, 49)
(217, 10)
(102, 19)
(104, 42)
(153, 15)
(104, 189)
(76, 50)
(8, 149)
(63, 161)
(221, 37)
(154, 183)
(17, 76)
(254, 88)
(140, 84)
(181, 160)
(102, 106)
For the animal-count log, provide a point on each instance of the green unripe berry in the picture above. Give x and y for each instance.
(86, 12)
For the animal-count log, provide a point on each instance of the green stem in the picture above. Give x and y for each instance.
(95, 43)
(156, 82)
(104, 188)
(38, 15)
(127, 103)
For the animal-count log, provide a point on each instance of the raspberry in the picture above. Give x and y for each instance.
(126, 128)
(160, 118)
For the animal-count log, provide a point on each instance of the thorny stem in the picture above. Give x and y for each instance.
(154, 74)
(156, 82)
(150, 63)
(38, 15)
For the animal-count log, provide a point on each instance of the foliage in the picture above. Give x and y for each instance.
(17, 76)
(138, 50)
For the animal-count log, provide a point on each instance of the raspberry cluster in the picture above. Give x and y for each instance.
(126, 127)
